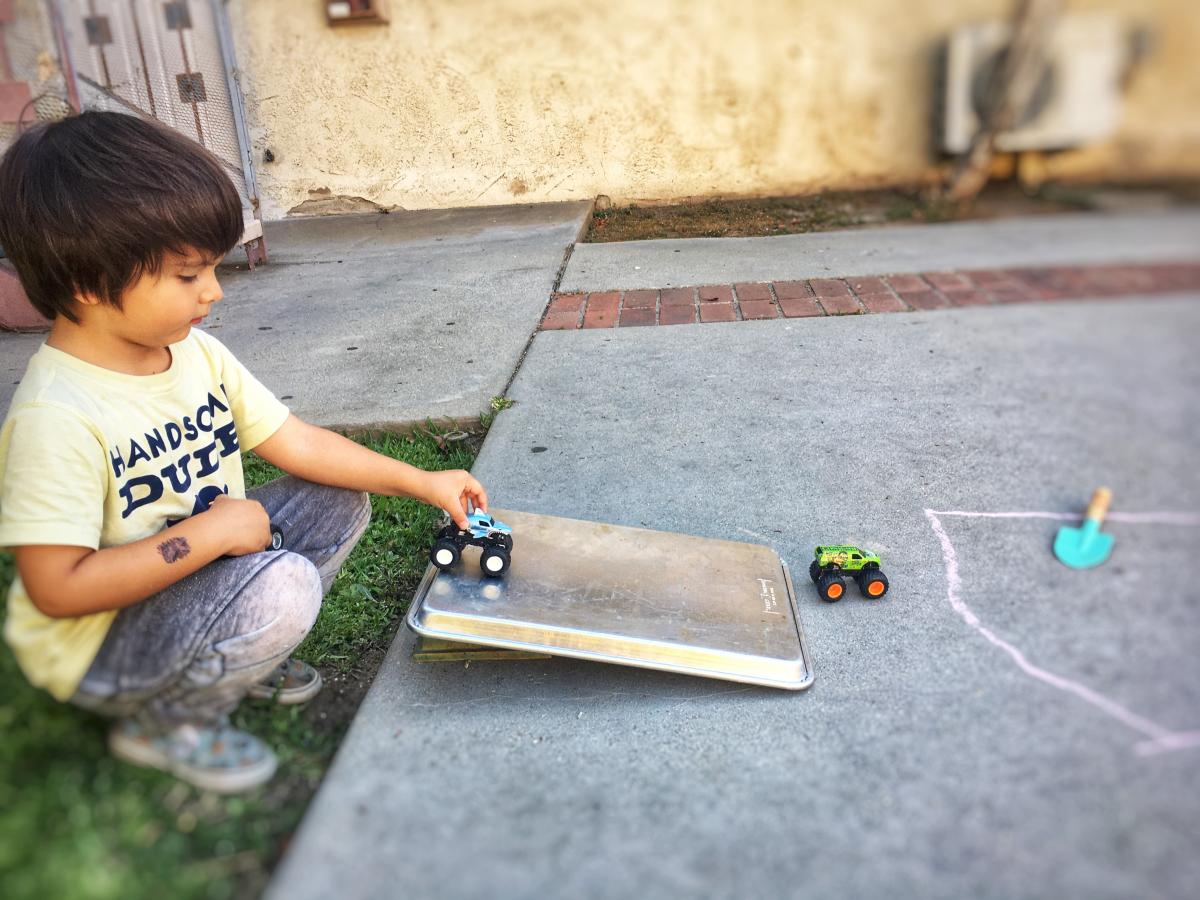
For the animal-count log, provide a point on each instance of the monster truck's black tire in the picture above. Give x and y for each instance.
(831, 587)
(873, 583)
(494, 561)
(444, 554)
(814, 571)
(507, 541)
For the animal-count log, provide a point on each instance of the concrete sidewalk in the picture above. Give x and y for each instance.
(385, 320)
(1030, 241)
(327, 239)
(998, 726)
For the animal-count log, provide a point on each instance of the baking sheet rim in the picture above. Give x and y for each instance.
(633, 662)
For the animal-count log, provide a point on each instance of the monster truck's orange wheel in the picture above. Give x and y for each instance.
(831, 587)
(874, 584)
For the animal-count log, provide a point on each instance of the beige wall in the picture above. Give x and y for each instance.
(476, 102)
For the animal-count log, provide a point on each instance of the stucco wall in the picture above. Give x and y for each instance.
(476, 102)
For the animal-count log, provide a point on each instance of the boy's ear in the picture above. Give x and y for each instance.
(87, 299)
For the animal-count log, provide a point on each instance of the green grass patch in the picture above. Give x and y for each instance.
(76, 823)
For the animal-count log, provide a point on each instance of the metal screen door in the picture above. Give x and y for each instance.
(171, 61)
(34, 85)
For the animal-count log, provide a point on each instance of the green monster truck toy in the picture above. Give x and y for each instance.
(831, 563)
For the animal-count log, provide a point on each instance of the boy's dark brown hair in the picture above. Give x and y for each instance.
(90, 203)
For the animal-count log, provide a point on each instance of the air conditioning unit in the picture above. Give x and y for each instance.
(1076, 101)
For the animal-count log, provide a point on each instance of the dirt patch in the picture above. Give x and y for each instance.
(860, 209)
(322, 203)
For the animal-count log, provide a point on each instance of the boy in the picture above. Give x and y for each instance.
(146, 588)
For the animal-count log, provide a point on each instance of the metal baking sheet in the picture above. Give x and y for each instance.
(629, 596)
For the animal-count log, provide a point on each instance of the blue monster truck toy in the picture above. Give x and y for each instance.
(494, 538)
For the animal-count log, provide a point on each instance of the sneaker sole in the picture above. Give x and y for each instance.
(288, 696)
(222, 782)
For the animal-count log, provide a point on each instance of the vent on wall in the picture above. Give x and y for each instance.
(1076, 101)
(348, 12)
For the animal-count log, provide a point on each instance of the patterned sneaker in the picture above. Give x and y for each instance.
(212, 757)
(293, 682)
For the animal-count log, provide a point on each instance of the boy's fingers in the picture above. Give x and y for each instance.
(480, 496)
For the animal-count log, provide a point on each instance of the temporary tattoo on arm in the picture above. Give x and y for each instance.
(174, 549)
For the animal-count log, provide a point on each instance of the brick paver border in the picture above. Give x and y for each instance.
(857, 296)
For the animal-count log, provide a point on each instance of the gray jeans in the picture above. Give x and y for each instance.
(190, 653)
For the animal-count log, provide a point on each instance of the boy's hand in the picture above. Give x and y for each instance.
(451, 491)
(244, 522)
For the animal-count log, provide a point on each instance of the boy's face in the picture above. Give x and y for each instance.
(161, 309)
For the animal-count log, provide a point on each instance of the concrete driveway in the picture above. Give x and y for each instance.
(998, 726)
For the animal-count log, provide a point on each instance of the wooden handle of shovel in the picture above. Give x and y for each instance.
(1098, 508)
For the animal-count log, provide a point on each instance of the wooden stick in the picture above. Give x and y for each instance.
(1098, 508)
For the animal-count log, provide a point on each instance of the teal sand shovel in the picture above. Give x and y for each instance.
(1087, 546)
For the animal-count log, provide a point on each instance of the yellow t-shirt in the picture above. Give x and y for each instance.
(95, 458)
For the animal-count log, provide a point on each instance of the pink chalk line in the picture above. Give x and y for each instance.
(1152, 518)
(1160, 739)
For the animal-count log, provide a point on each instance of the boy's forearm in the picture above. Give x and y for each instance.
(325, 457)
(116, 577)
